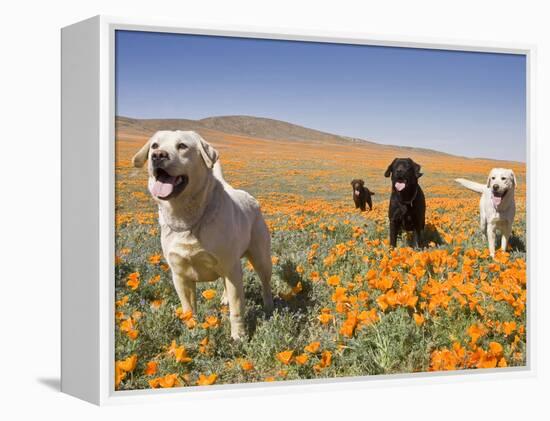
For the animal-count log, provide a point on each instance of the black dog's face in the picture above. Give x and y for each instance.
(357, 186)
(404, 173)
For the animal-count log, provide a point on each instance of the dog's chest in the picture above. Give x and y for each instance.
(408, 221)
(188, 258)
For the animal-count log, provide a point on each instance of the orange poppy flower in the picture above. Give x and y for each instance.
(333, 280)
(119, 374)
(129, 364)
(324, 318)
(313, 347)
(418, 319)
(209, 294)
(155, 304)
(155, 259)
(301, 359)
(247, 365)
(168, 381)
(122, 302)
(206, 380)
(509, 327)
(151, 368)
(179, 353)
(154, 280)
(326, 359)
(315, 277)
(210, 322)
(133, 281)
(296, 289)
(183, 315)
(285, 356)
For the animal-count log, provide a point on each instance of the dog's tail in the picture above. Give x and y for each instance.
(471, 185)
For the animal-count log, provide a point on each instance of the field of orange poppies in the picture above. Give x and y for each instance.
(346, 303)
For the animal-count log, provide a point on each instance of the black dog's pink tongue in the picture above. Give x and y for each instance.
(399, 186)
(163, 186)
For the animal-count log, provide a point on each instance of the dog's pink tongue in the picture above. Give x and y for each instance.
(160, 189)
(399, 186)
(163, 186)
(497, 200)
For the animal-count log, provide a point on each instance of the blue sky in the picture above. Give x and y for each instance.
(464, 103)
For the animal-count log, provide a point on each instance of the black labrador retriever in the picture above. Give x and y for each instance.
(361, 195)
(407, 209)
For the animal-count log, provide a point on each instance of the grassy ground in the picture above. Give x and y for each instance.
(346, 304)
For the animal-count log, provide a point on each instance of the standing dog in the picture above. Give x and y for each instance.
(497, 206)
(206, 225)
(407, 210)
(361, 195)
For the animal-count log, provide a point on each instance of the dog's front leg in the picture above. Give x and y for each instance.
(235, 295)
(491, 238)
(224, 300)
(186, 290)
(418, 238)
(506, 233)
(393, 233)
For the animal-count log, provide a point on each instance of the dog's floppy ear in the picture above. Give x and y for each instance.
(138, 160)
(416, 169)
(489, 180)
(513, 178)
(208, 153)
(390, 168)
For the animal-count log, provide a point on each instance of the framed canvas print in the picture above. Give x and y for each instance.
(249, 210)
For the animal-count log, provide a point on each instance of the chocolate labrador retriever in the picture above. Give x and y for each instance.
(407, 210)
(361, 195)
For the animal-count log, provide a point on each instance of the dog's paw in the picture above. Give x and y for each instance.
(238, 336)
(238, 332)
(269, 307)
(224, 301)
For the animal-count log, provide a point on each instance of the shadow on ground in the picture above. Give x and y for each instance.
(299, 303)
(517, 244)
(431, 234)
(53, 383)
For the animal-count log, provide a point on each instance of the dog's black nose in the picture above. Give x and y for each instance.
(159, 156)
(495, 187)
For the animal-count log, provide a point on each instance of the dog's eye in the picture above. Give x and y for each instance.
(182, 146)
(154, 146)
(503, 178)
(493, 178)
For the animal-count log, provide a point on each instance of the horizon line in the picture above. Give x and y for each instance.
(347, 137)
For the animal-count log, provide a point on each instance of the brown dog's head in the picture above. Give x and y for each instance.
(357, 185)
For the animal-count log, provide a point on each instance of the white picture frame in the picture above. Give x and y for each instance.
(88, 212)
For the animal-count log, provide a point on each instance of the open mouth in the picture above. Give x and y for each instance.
(497, 196)
(167, 186)
(400, 184)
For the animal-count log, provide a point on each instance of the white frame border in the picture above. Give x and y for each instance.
(108, 25)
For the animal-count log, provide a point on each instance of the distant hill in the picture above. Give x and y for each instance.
(255, 127)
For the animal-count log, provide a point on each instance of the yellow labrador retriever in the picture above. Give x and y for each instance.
(206, 225)
(497, 206)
